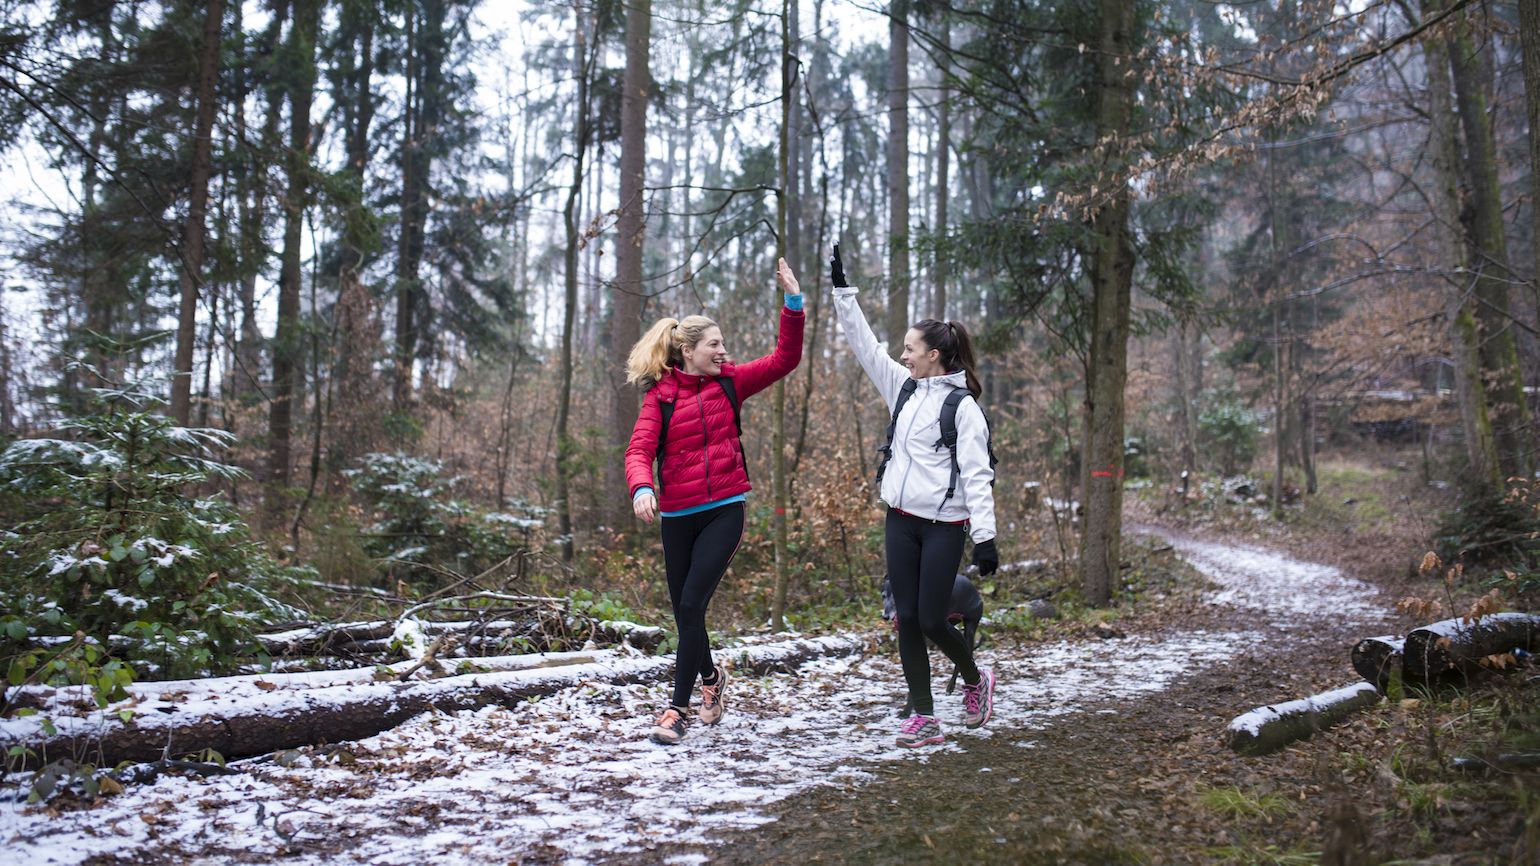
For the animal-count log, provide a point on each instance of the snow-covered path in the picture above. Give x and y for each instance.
(570, 778)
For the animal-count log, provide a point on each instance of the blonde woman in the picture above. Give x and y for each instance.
(689, 425)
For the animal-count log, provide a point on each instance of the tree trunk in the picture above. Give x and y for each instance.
(1489, 257)
(1529, 43)
(898, 176)
(1187, 425)
(943, 173)
(197, 210)
(1110, 269)
(427, 47)
(630, 229)
(287, 346)
(783, 232)
(582, 69)
(354, 421)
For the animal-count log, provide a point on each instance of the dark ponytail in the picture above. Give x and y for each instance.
(956, 347)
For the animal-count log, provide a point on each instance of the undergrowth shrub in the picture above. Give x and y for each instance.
(422, 534)
(1498, 531)
(113, 561)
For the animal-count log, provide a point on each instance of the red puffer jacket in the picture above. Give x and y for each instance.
(703, 460)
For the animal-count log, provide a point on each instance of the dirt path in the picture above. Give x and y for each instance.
(1092, 742)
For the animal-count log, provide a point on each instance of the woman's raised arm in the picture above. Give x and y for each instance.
(887, 374)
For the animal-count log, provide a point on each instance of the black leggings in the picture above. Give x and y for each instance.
(697, 549)
(922, 566)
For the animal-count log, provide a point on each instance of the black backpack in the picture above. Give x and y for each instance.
(948, 434)
(667, 410)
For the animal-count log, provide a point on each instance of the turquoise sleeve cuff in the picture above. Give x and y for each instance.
(794, 302)
(640, 491)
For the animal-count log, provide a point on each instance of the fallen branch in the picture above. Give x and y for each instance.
(1268, 729)
(275, 718)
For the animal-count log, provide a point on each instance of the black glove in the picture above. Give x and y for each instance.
(837, 270)
(986, 558)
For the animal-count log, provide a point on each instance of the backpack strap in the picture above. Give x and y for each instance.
(949, 436)
(666, 410)
(731, 389)
(886, 448)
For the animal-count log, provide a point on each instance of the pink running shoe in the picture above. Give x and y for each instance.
(919, 730)
(979, 699)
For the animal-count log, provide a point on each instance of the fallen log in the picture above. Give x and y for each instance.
(1268, 729)
(276, 718)
(1377, 658)
(1452, 649)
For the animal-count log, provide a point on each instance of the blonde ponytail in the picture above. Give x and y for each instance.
(661, 349)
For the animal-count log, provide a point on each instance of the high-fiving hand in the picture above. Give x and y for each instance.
(787, 279)
(837, 270)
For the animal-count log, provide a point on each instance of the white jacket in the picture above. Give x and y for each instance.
(916, 478)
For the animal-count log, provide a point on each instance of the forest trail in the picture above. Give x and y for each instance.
(1087, 740)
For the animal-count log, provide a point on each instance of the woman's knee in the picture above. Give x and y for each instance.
(933, 623)
(690, 614)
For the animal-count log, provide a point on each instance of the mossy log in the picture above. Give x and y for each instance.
(1268, 729)
(1451, 650)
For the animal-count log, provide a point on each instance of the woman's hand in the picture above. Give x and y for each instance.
(786, 279)
(837, 269)
(646, 507)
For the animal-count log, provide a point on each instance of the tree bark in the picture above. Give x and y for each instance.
(1110, 269)
(191, 276)
(898, 176)
(630, 229)
(1489, 257)
(287, 346)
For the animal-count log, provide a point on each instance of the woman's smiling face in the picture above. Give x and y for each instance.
(706, 357)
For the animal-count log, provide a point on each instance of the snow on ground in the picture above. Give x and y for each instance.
(1287, 589)
(571, 777)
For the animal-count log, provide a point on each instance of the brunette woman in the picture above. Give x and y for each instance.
(938, 495)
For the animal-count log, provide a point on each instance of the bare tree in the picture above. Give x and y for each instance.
(197, 210)
(630, 229)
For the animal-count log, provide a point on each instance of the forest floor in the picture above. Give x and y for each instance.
(1107, 747)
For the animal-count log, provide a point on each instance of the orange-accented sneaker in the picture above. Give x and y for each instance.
(711, 704)
(670, 727)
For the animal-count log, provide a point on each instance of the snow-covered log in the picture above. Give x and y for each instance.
(1453, 648)
(1377, 658)
(261, 715)
(1268, 729)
